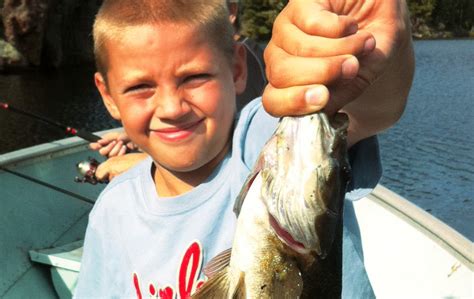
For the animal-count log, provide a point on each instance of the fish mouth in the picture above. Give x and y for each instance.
(287, 238)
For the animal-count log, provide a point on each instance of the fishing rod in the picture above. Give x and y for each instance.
(69, 130)
(85, 168)
(47, 185)
(88, 175)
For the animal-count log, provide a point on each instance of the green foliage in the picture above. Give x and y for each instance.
(427, 17)
(257, 17)
(421, 9)
(456, 15)
(450, 15)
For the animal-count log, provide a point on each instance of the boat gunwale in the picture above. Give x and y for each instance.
(435, 229)
(47, 150)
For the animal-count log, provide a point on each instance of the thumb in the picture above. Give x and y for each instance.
(294, 100)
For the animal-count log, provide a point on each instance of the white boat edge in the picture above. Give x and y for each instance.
(47, 150)
(438, 231)
(410, 253)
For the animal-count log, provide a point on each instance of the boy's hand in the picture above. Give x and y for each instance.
(116, 165)
(323, 54)
(113, 144)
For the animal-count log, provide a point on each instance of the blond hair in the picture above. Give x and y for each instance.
(114, 16)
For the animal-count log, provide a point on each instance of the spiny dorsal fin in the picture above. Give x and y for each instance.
(218, 263)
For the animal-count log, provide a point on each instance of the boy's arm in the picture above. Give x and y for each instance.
(114, 166)
(354, 56)
(93, 276)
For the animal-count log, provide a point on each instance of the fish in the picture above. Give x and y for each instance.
(289, 216)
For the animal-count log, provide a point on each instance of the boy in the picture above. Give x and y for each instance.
(117, 143)
(169, 70)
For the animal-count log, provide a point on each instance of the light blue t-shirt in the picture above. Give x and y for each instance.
(139, 245)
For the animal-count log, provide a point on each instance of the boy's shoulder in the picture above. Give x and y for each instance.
(253, 115)
(121, 193)
(253, 128)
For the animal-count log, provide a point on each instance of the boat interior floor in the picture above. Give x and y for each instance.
(42, 207)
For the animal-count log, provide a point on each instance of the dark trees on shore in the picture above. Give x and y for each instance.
(430, 18)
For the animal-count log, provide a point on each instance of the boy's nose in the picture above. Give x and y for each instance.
(171, 106)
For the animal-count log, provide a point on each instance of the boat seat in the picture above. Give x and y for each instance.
(65, 262)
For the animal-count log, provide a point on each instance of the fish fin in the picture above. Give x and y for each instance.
(217, 263)
(246, 186)
(240, 292)
(218, 287)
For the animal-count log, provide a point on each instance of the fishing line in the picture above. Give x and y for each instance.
(68, 129)
(47, 185)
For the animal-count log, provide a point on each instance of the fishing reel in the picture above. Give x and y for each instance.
(87, 171)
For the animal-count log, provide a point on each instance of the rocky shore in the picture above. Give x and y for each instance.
(420, 30)
(55, 33)
(49, 33)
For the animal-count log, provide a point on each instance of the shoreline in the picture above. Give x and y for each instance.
(426, 32)
(417, 38)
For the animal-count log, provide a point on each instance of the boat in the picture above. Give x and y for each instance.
(42, 207)
(407, 251)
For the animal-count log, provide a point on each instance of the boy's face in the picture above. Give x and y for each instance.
(174, 93)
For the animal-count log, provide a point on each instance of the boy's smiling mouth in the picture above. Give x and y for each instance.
(178, 133)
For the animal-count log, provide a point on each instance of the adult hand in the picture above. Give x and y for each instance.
(113, 144)
(325, 54)
(116, 165)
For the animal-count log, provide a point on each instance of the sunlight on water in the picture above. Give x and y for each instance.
(428, 156)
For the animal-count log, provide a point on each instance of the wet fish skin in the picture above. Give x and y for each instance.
(260, 266)
(305, 175)
(289, 212)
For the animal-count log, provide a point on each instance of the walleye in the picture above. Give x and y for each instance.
(289, 211)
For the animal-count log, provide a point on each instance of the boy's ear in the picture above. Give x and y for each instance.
(106, 96)
(240, 68)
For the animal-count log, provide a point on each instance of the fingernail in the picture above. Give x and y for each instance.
(350, 68)
(316, 96)
(352, 29)
(369, 45)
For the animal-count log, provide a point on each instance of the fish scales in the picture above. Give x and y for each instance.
(288, 239)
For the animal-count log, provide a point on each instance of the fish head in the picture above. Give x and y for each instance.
(304, 178)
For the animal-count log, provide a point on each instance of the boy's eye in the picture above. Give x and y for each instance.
(197, 79)
(139, 88)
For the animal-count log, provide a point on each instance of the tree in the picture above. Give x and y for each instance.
(258, 16)
(456, 15)
(420, 11)
(427, 17)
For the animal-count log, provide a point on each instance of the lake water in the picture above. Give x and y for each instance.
(428, 156)
(67, 96)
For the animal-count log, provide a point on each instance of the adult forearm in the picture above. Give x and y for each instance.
(382, 103)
